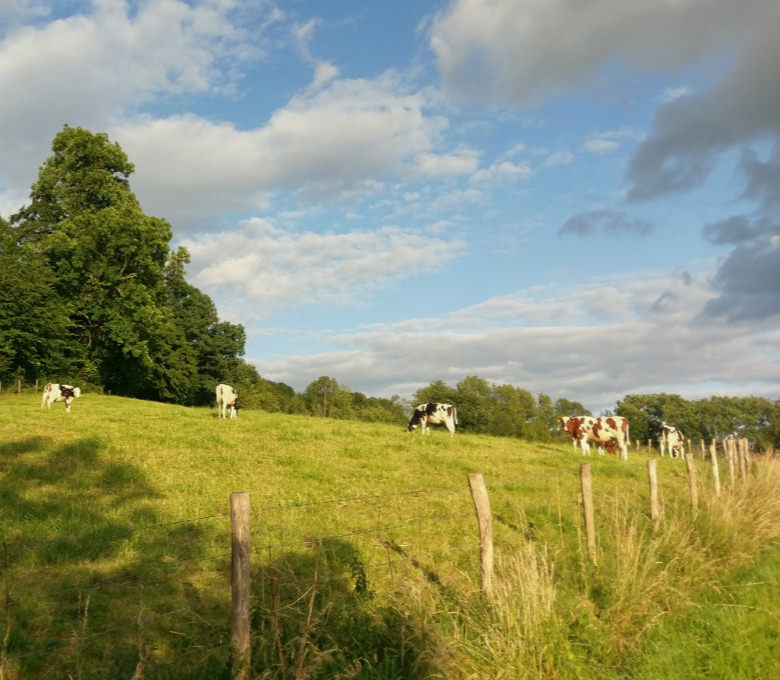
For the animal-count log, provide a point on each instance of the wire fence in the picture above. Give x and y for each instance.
(79, 582)
(159, 592)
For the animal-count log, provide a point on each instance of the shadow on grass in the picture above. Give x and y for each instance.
(314, 617)
(97, 584)
(95, 581)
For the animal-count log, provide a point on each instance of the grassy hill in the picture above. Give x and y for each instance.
(116, 552)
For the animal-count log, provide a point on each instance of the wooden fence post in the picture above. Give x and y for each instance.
(239, 622)
(714, 463)
(586, 486)
(649, 445)
(743, 458)
(653, 478)
(728, 446)
(481, 500)
(692, 485)
(703, 449)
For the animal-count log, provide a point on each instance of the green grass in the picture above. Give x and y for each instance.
(114, 522)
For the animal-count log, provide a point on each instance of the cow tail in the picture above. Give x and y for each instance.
(455, 415)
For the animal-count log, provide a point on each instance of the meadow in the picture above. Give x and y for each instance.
(115, 530)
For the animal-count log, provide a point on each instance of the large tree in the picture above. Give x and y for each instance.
(34, 326)
(112, 268)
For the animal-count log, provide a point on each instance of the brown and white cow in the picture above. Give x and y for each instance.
(56, 392)
(577, 427)
(433, 413)
(672, 440)
(601, 431)
(227, 401)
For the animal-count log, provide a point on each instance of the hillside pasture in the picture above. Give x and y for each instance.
(116, 548)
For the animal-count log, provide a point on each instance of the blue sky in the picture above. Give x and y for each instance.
(577, 198)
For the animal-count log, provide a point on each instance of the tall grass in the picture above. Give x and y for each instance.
(116, 560)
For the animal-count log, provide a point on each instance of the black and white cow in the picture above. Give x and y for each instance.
(227, 401)
(56, 392)
(672, 440)
(433, 413)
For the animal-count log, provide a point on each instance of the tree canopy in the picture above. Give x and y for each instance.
(104, 276)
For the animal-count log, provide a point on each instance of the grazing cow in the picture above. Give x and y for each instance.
(227, 401)
(602, 430)
(672, 440)
(56, 392)
(432, 413)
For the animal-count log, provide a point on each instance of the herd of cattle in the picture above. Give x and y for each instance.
(227, 398)
(606, 432)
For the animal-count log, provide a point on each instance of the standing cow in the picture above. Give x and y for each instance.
(56, 392)
(227, 401)
(577, 427)
(672, 440)
(433, 413)
(601, 431)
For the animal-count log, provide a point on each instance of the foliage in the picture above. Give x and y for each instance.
(756, 418)
(100, 273)
(34, 327)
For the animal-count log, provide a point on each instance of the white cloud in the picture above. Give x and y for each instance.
(327, 143)
(259, 269)
(91, 69)
(672, 93)
(324, 73)
(593, 344)
(558, 158)
(600, 145)
(605, 141)
(501, 171)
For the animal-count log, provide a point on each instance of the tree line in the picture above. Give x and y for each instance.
(91, 293)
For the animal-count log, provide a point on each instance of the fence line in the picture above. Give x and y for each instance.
(396, 554)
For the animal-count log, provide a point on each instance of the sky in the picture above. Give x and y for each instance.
(576, 197)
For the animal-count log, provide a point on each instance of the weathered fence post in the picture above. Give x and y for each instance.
(586, 486)
(481, 500)
(703, 450)
(653, 478)
(649, 445)
(692, 486)
(743, 458)
(728, 446)
(714, 463)
(239, 622)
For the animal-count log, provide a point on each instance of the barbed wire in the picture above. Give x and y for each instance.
(68, 591)
(219, 515)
